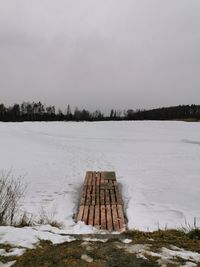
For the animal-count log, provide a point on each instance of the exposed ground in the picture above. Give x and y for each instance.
(132, 248)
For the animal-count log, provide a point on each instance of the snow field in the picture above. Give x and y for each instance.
(156, 163)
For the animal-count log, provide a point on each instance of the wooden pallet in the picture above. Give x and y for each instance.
(101, 203)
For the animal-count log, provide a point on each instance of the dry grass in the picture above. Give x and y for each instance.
(69, 254)
(111, 253)
(11, 192)
(165, 238)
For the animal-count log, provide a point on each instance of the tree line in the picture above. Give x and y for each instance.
(37, 111)
(181, 112)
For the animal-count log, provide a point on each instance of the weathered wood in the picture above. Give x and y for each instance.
(97, 197)
(103, 217)
(109, 176)
(106, 186)
(91, 216)
(115, 218)
(85, 214)
(107, 197)
(97, 216)
(118, 196)
(112, 196)
(120, 216)
(98, 178)
(102, 197)
(101, 203)
(86, 178)
(93, 195)
(109, 218)
(80, 213)
(83, 195)
(94, 178)
(88, 195)
(90, 178)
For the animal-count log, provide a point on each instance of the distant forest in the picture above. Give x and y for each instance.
(31, 111)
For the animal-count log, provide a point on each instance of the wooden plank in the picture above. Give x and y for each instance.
(98, 178)
(109, 176)
(115, 218)
(86, 178)
(91, 215)
(80, 213)
(107, 197)
(85, 214)
(97, 216)
(109, 218)
(106, 186)
(103, 217)
(110, 182)
(118, 195)
(90, 178)
(102, 197)
(97, 200)
(93, 195)
(121, 217)
(102, 178)
(88, 195)
(83, 195)
(112, 196)
(114, 183)
(94, 178)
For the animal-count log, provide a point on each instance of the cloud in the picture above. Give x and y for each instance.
(132, 54)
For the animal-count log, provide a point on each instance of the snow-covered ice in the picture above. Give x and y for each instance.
(156, 163)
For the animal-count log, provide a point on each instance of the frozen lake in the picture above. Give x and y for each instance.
(157, 165)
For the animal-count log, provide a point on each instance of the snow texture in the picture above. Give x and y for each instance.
(7, 264)
(127, 241)
(165, 255)
(28, 237)
(156, 163)
(86, 258)
(12, 252)
(169, 256)
(181, 253)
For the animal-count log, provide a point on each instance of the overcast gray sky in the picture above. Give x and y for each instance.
(100, 53)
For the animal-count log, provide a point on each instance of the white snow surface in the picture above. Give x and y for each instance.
(12, 252)
(156, 164)
(7, 264)
(29, 237)
(181, 253)
(165, 255)
(169, 256)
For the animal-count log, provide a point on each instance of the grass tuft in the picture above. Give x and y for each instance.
(194, 234)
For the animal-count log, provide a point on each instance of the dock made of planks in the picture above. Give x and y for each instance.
(101, 203)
